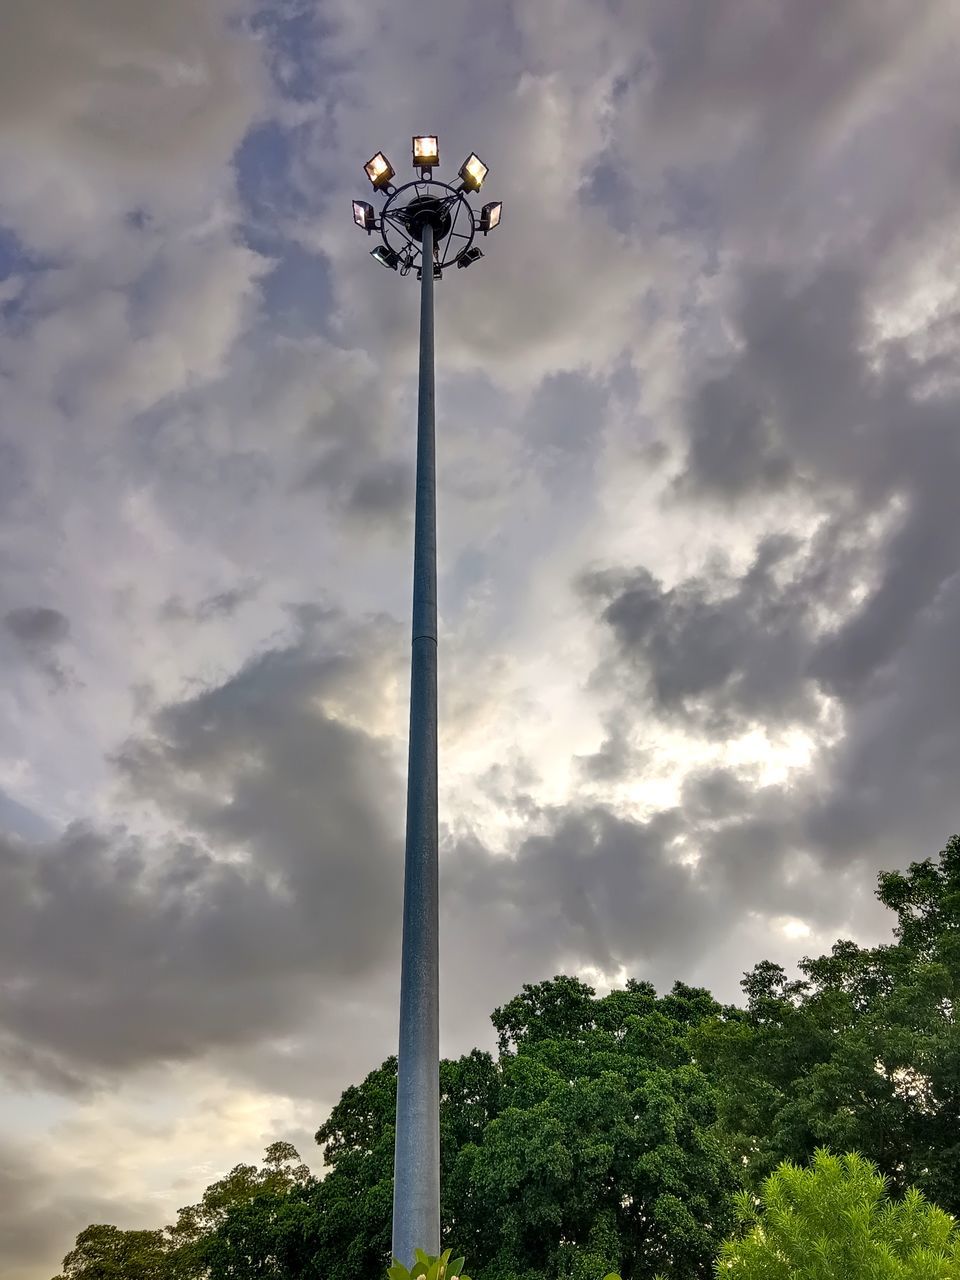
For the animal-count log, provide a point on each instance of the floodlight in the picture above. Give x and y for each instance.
(468, 256)
(426, 152)
(363, 215)
(490, 215)
(386, 257)
(379, 170)
(473, 171)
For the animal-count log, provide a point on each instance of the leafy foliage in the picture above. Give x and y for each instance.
(860, 1054)
(836, 1219)
(107, 1253)
(429, 1266)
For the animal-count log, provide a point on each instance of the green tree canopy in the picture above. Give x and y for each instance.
(107, 1253)
(862, 1053)
(836, 1219)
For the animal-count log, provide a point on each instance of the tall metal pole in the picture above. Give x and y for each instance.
(416, 1192)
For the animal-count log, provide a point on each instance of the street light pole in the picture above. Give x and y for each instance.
(416, 1188)
(430, 223)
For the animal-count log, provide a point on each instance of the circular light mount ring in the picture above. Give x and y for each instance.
(409, 208)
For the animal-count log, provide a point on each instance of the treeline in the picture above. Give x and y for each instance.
(615, 1133)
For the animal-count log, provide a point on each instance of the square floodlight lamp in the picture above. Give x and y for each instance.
(473, 171)
(386, 257)
(469, 256)
(363, 215)
(426, 152)
(490, 215)
(379, 170)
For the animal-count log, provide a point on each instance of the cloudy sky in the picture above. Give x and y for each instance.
(700, 603)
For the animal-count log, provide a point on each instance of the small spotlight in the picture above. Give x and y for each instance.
(437, 272)
(426, 152)
(386, 257)
(473, 171)
(379, 170)
(490, 215)
(363, 215)
(468, 256)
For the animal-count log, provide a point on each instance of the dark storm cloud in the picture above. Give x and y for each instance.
(868, 427)
(718, 651)
(119, 951)
(592, 888)
(864, 614)
(39, 632)
(658, 897)
(731, 441)
(894, 777)
(37, 628)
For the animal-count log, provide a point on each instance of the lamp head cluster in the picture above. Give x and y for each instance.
(410, 208)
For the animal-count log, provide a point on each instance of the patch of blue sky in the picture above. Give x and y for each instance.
(607, 187)
(292, 32)
(17, 262)
(265, 184)
(691, 207)
(296, 292)
(12, 256)
(24, 821)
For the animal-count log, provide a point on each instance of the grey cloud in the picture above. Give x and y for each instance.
(345, 458)
(120, 950)
(40, 1214)
(121, 101)
(591, 888)
(731, 441)
(39, 632)
(799, 63)
(616, 755)
(594, 888)
(893, 778)
(383, 492)
(864, 613)
(562, 429)
(717, 651)
(222, 604)
(37, 628)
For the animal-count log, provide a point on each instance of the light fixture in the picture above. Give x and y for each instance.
(379, 170)
(467, 256)
(490, 215)
(473, 171)
(386, 257)
(363, 215)
(426, 152)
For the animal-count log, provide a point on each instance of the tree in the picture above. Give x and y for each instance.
(862, 1053)
(204, 1238)
(106, 1253)
(836, 1219)
(603, 1153)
